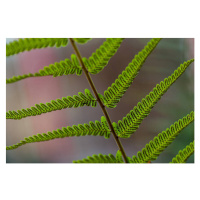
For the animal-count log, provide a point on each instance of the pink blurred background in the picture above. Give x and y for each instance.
(176, 103)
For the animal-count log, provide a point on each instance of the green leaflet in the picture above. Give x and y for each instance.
(114, 93)
(184, 154)
(94, 129)
(58, 104)
(102, 159)
(64, 67)
(28, 44)
(98, 60)
(131, 122)
(82, 40)
(153, 149)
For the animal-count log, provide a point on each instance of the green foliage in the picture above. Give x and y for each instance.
(98, 60)
(58, 104)
(184, 154)
(64, 67)
(123, 128)
(153, 149)
(28, 44)
(114, 93)
(134, 118)
(94, 129)
(95, 64)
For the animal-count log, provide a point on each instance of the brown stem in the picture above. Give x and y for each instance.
(99, 100)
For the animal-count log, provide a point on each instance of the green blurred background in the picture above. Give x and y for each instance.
(176, 103)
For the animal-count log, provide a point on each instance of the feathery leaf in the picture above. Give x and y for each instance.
(97, 128)
(64, 67)
(114, 93)
(131, 122)
(153, 149)
(28, 44)
(58, 104)
(184, 154)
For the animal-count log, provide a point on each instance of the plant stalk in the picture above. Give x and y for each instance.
(99, 100)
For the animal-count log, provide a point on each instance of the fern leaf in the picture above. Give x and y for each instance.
(102, 158)
(94, 129)
(58, 104)
(114, 93)
(184, 154)
(153, 149)
(131, 122)
(64, 67)
(28, 44)
(82, 40)
(98, 60)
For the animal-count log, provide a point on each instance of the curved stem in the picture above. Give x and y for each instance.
(99, 100)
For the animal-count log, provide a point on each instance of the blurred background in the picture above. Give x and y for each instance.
(177, 102)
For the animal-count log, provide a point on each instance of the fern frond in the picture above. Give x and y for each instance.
(131, 122)
(98, 60)
(94, 129)
(114, 93)
(102, 158)
(28, 44)
(58, 104)
(184, 154)
(82, 40)
(64, 67)
(153, 149)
